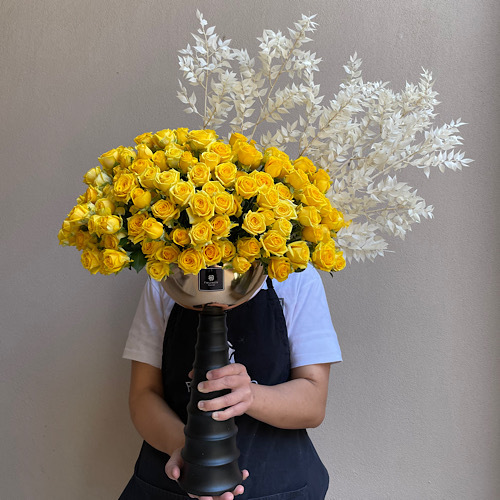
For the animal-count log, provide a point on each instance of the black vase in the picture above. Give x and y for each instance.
(210, 453)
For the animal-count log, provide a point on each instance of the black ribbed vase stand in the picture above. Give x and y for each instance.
(210, 454)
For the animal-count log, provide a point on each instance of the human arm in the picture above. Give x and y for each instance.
(296, 404)
(158, 424)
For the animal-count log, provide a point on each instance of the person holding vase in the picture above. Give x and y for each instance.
(282, 343)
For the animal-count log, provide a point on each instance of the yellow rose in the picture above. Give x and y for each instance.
(126, 156)
(213, 187)
(141, 164)
(314, 234)
(246, 186)
(173, 154)
(279, 268)
(212, 254)
(283, 191)
(109, 224)
(272, 151)
(226, 173)
(201, 139)
(285, 209)
(180, 236)
(248, 248)
(228, 250)
(90, 196)
(104, 206)
(113, 261)
(210, 159)
(339, 263)
(304, 164)
(297, 179)
(308, 216)
(82, 239)
(224, 203)
(311, 195)
(141, 198)
(90, 177)
(157, 269)
(235, 137)
(165, 180)
(247, 154)
(191, 261)
(200, 233)
(254, 223)
(273, 243)
(268, 214)
(221, 225)
(146, 138)
(298, 254)
(168, 253)
(181, 134)
(153, 228)
(200, 207)
(263, 179)
(93, 224)
(148, 176)
(123, 187)
(334, 219)
(284, 227)
(91, 260)
(134, 227)
(274, 166)
(143, 151)
(268, 198)
(199, 174)
(160, 160)
(149, 248)
(186, 161)
(181, 192)
(224, 151)
(109, 159)
(110, 241)
(164, 137)
(321, 179)
(324, 255)
(165, 210)
(240, 264)
(79, 213)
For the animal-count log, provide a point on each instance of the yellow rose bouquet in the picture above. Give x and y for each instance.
(189, 199)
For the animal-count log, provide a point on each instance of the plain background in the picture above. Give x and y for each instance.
(413, 411)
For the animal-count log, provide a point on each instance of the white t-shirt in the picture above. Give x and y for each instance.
(311, 335)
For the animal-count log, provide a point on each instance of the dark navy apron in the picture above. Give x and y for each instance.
(283, 463)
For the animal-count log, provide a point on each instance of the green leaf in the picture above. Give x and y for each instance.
(139, 261)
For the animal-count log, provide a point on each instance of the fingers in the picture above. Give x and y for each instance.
(173, 466)
(224, 371)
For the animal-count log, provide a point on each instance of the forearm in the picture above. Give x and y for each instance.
(295, 404)
(155, 421)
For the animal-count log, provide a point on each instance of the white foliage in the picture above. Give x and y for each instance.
(363, 136)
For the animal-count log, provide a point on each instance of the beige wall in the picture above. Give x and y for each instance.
(413, 409)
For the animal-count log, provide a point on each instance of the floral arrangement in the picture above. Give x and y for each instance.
(187, 198)
(184, 198)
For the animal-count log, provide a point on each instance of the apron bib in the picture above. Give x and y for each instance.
(283, 463)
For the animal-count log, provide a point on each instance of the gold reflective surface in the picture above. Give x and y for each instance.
(238, 288)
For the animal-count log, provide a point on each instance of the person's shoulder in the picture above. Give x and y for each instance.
(298, 280)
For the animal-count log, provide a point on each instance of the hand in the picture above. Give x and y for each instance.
(234, 377)
(173, 471)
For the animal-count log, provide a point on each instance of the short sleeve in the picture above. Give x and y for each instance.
(311, 334)
(145, 339)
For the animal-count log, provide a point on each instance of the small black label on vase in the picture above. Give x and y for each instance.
(211, 279)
